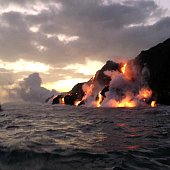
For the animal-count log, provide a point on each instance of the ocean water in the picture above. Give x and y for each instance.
(46, 137)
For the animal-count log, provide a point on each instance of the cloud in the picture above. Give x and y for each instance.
(27, 90)
(64, 85)
(27, 8)
(66, 39)
(6, 78)
(89, 68)
(93, 29)
(63, 33)
(25, 66)
(34, 28)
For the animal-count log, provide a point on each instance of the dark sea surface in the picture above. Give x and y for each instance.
(45, 137)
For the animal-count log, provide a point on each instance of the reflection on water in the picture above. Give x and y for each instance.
(86, 133)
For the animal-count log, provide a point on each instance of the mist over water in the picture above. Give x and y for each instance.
(39, 137)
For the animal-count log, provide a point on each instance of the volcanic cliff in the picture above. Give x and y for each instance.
(157, 60)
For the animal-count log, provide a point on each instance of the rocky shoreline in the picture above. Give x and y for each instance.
(156, 59)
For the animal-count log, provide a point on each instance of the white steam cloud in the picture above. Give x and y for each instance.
(27, 90)
(126, 89)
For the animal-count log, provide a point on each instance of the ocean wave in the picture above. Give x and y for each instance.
(43, 137)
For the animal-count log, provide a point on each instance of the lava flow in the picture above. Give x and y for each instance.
(127, 87)
(123, 91)
(153, 103)
(62, 101)
(88, 90)
(99, 99)
(123, 68)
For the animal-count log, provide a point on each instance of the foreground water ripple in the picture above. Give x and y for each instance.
(45, 137)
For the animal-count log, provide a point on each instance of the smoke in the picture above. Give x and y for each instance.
(127, 88)
(28, 90)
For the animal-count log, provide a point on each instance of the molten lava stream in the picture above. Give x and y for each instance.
(77, 102)
(126, 102)
(99, 99)
(153, 104)
(61, 101)
(145, 93)
(123, 68)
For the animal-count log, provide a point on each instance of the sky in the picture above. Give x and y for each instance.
(67, 41)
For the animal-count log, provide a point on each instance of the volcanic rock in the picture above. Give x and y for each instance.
(57, 99)
(100, 78)
(0, 108)
(70, 98)
(77, 89)
(157, 60)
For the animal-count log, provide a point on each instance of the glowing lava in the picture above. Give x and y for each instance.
(99, 99)
(61, 101)
(153, 104)
(145, 93)
(125, 90)
(126, 103)
(88, 90)
(123, 68)
(77, 102)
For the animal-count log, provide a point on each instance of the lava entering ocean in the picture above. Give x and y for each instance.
(127, 87)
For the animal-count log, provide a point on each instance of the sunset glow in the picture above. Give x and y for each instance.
(84, 84)
(89, 68)
(67, 42)
(23, 65)
(63, 85)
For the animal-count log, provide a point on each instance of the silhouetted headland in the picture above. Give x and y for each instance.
(157, 60)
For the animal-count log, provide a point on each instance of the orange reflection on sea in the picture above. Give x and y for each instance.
(132, 147)
(121, 125)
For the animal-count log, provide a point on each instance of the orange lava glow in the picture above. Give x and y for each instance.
(126, 103)
(77, 102)
(88, 90)
(145, 93)
(153, 104)
(123, 68)
(62, 100)
(127, 72)
(99, 99)
(129, 99)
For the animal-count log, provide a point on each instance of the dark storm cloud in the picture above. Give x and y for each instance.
(114, 15)
(102, 29)
(144, 37)
(15, 39)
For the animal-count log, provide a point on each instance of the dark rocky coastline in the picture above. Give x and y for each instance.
(157, 60)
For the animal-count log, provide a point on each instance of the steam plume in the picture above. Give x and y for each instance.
(29, 90)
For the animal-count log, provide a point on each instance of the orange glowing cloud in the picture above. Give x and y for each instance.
(89, 68)
(22, 65)
(64, 85)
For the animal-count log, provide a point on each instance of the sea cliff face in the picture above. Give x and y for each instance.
(157, 61)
